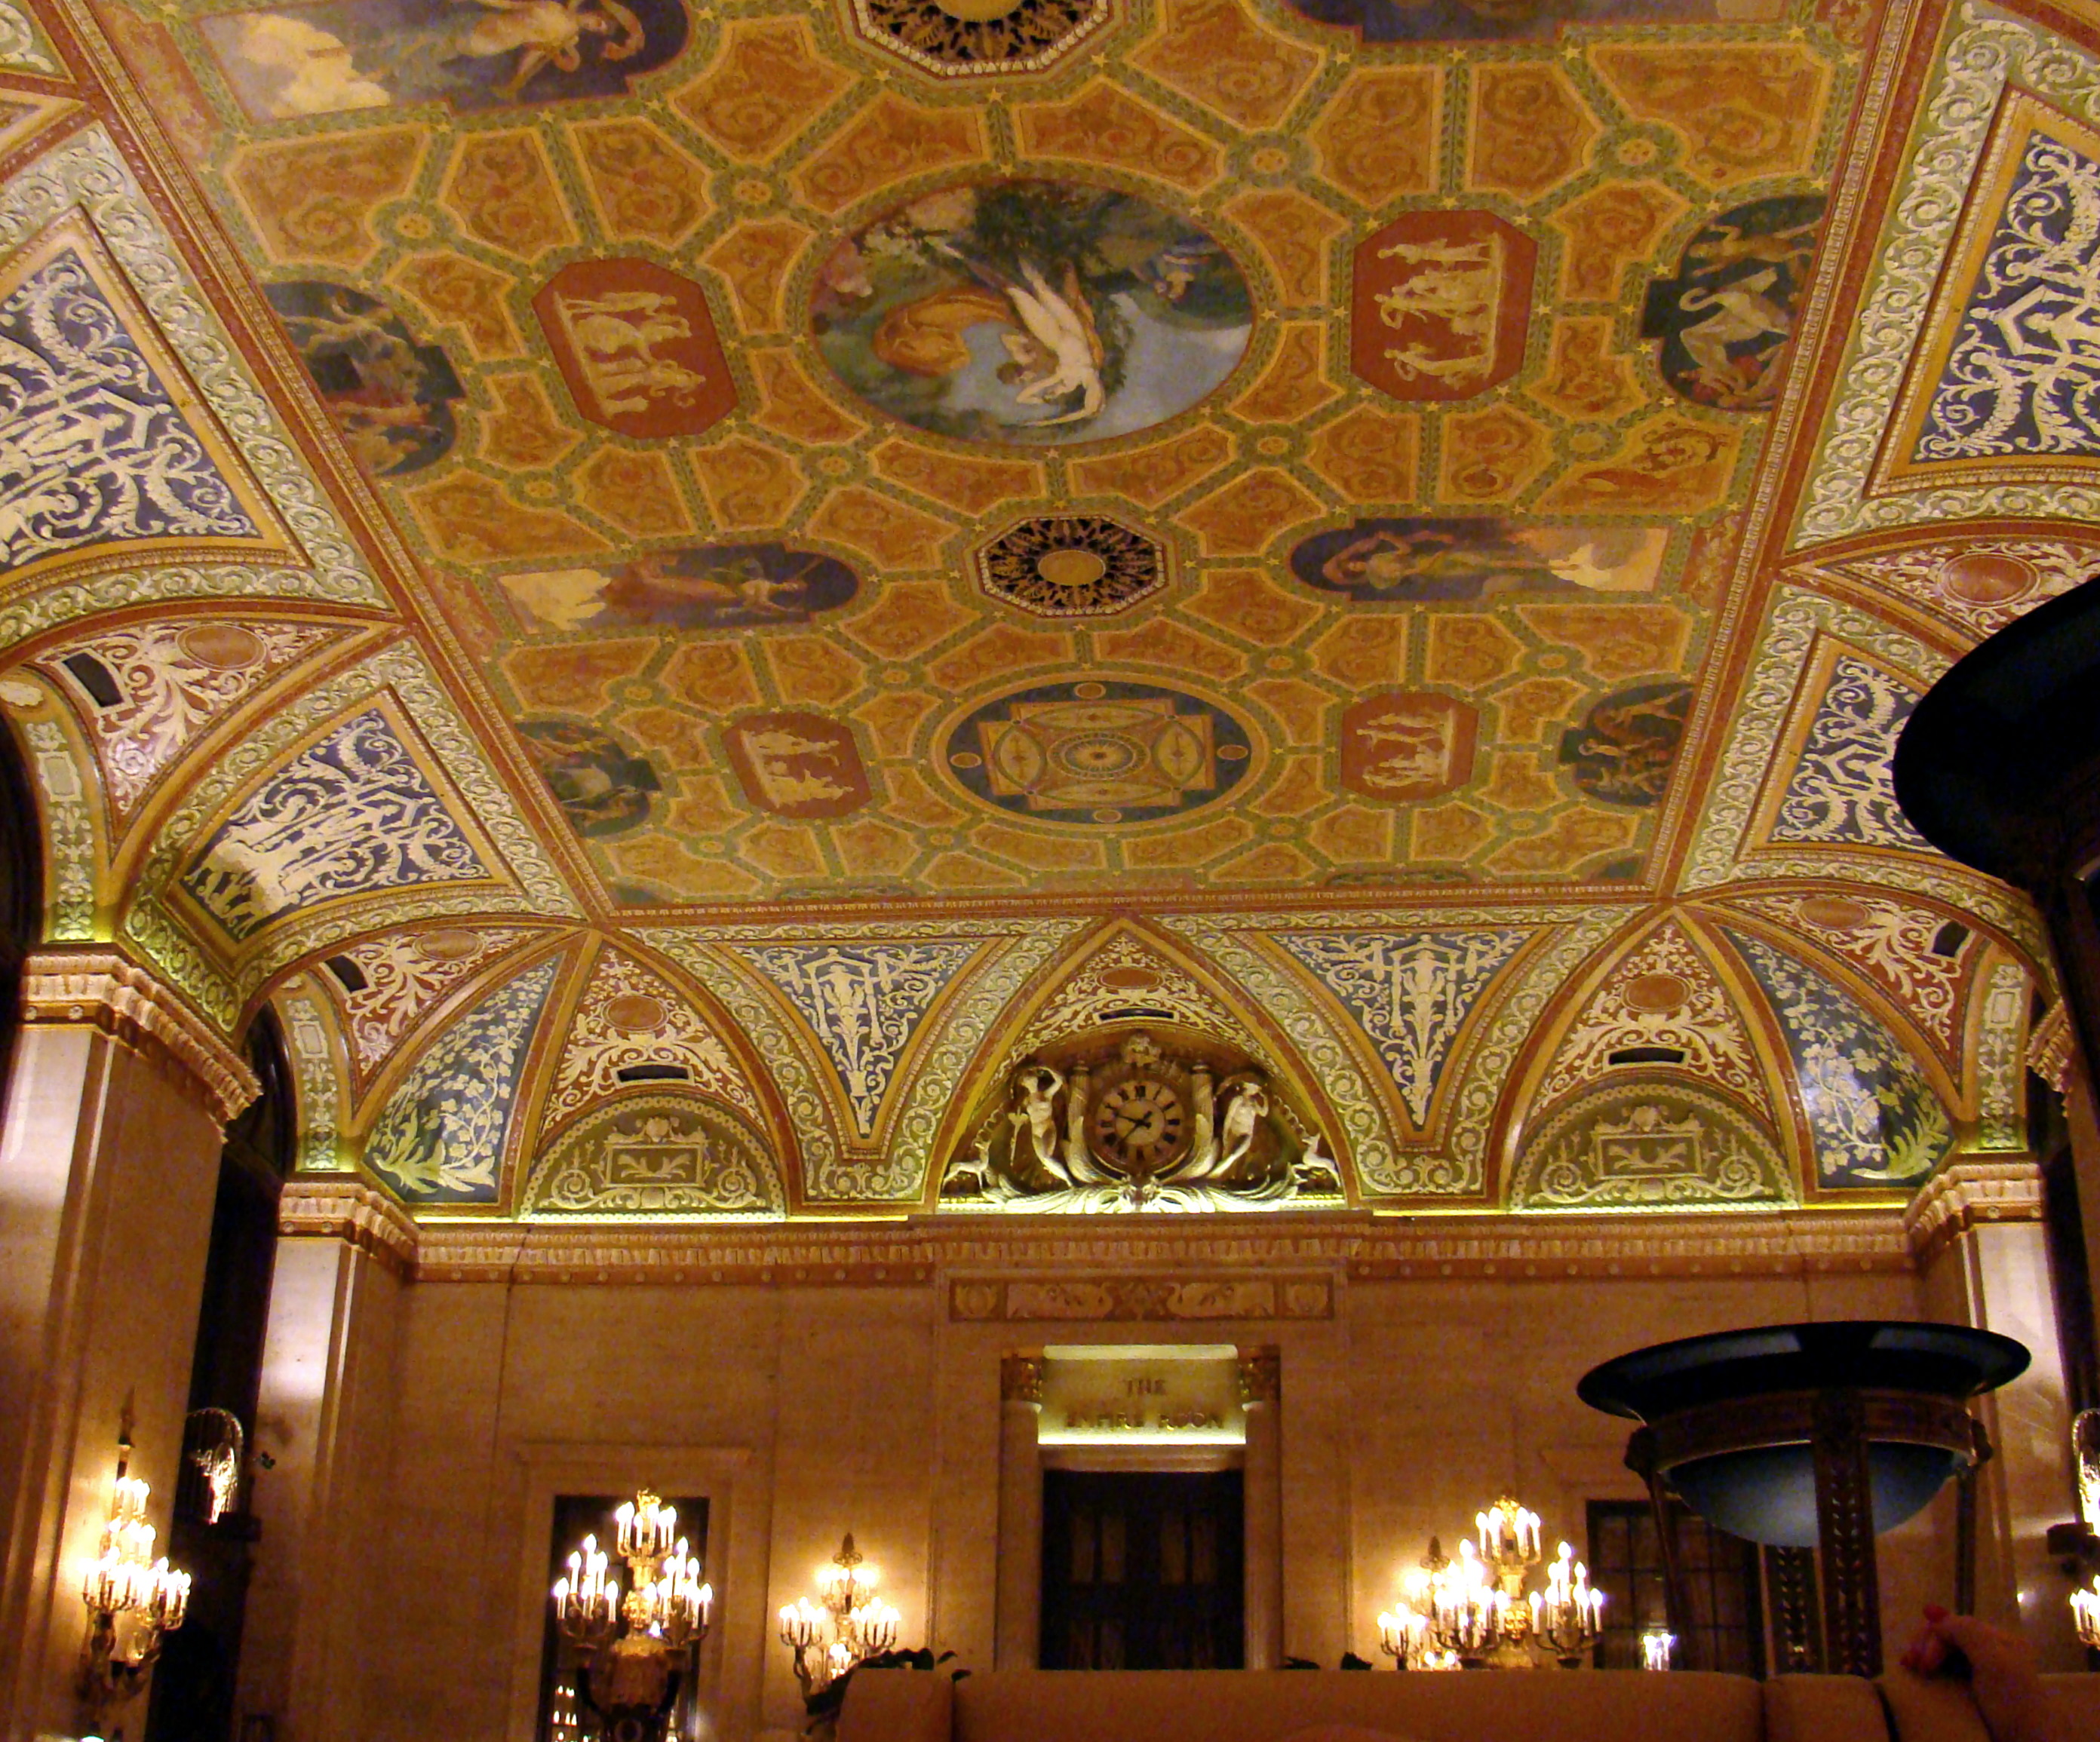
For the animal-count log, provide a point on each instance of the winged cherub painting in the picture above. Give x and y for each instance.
(1031, 312)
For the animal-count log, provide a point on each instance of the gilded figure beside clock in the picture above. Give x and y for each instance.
(1126, 1123)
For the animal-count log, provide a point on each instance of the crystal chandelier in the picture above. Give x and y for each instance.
(860, 1624)
(1474, 1612)
(132, 1600)
(634, 1648)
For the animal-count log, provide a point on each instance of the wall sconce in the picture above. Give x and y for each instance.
(1655, 1647)
(217, 1449)
(860, 1624)
(132, 1600)
(634, 1647)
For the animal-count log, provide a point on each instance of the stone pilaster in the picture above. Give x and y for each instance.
(1982, 1257)
(1017, 1621)
(109, 1145)
(1261, 1396)
(324, 1417)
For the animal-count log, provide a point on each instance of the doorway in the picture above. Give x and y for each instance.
(1142, 1570)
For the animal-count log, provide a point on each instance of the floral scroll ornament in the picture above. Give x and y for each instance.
(99, 451)
(1874, 1120)
(1411, 992)
(1841, 791)
(2023, 376)
(442, 1135)
(864, 1004)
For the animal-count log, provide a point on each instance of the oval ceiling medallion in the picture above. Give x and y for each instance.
(1987, 578)
(1834, 913)
(1656, 994)
(223, 646)
(1031, 312)
(450, 944)
(636, 1013)
(1104, 753)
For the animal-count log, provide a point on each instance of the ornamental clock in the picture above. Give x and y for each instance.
(1139, 1124)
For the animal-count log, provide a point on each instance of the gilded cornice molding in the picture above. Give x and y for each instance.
(1325, 1250)
(102, 988)
(1967, 1192)
(2053, 1049)
(348, 1211)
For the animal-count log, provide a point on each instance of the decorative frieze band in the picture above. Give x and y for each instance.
(102, 988)
(1183, 1300)
(342, 1209)
(1295, 1271)
(1802, 1243)
(1967, 1193)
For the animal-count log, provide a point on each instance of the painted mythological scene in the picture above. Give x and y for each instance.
(701, 587)
(286, 62)
(390, 395)
(1725, 318)
(1031, 311)
(1504, 21)
(1424, 558)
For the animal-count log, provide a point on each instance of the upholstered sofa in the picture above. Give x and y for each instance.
(900, 1706)
(1166, 1705)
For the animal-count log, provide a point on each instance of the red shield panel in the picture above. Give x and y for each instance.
(1398, 745)
(637, 347)
(797, 765)
(1439, 305)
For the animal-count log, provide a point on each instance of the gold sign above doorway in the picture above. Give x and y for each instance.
(1142, 1394)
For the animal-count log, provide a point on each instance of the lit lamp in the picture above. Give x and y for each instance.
(847, 1623)
(2086, 1615)
(1657, 1644)
(219, 1449)
(2081, 1540)
(132, 1600)
(1800, 1435)
(1568, 1617)
(634, 1648)
(1406, 1631)
(1475, 1612)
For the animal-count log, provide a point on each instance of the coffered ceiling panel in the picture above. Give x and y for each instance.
(698, 596)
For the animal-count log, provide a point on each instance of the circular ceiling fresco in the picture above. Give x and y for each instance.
(1030, 312)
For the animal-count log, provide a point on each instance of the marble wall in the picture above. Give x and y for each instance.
(814, 1410)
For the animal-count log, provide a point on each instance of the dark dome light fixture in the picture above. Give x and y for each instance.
(1801, 1436)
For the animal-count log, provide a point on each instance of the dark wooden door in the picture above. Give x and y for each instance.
(1141, 1570)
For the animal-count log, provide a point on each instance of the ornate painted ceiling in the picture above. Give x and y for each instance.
(876, 605)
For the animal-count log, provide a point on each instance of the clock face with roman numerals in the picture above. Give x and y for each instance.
(1139, 1123)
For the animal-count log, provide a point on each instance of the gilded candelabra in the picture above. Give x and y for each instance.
(2085, 1452)
(859, 1623)
(1474, 1612)
(132, 1601)
(635, 1647)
